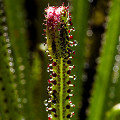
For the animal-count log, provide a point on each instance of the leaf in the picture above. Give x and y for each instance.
(17, 34)
(104, 70)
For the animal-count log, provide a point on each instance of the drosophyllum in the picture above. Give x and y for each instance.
(59, 42)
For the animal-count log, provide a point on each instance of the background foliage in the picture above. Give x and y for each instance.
(23, 61)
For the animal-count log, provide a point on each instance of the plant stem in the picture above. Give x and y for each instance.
(61, 89)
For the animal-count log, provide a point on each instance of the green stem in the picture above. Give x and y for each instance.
(58, 41)
(61, 89)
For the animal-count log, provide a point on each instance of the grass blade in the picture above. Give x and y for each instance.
(104, 71)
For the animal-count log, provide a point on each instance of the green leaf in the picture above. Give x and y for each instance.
(17, 34)
(8, 95)
(104, 70)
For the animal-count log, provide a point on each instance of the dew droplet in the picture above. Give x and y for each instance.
(75, 43)
(114, 80)
(19, 99)
(73, 66)
(118, 47)
(7, 40)
(43, 47)
(117, 58)
(23, 81)
(5, 34)
(73, 113)
(73, 29)
(115, 68)
(8, 45)
(71, 36)
(21, 67)
(69, 31)
(10, 58)
(71, 95)
(73, 105)
(89, 33)
(73, 52)
(12, 70)
(74, 77)
(10, 63)
(4, 19)
(9, 51)
(45, 102)
(5, 28)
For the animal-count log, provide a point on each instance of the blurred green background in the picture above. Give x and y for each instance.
(23, 61)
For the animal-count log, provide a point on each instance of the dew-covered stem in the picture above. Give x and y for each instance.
(59, 50)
